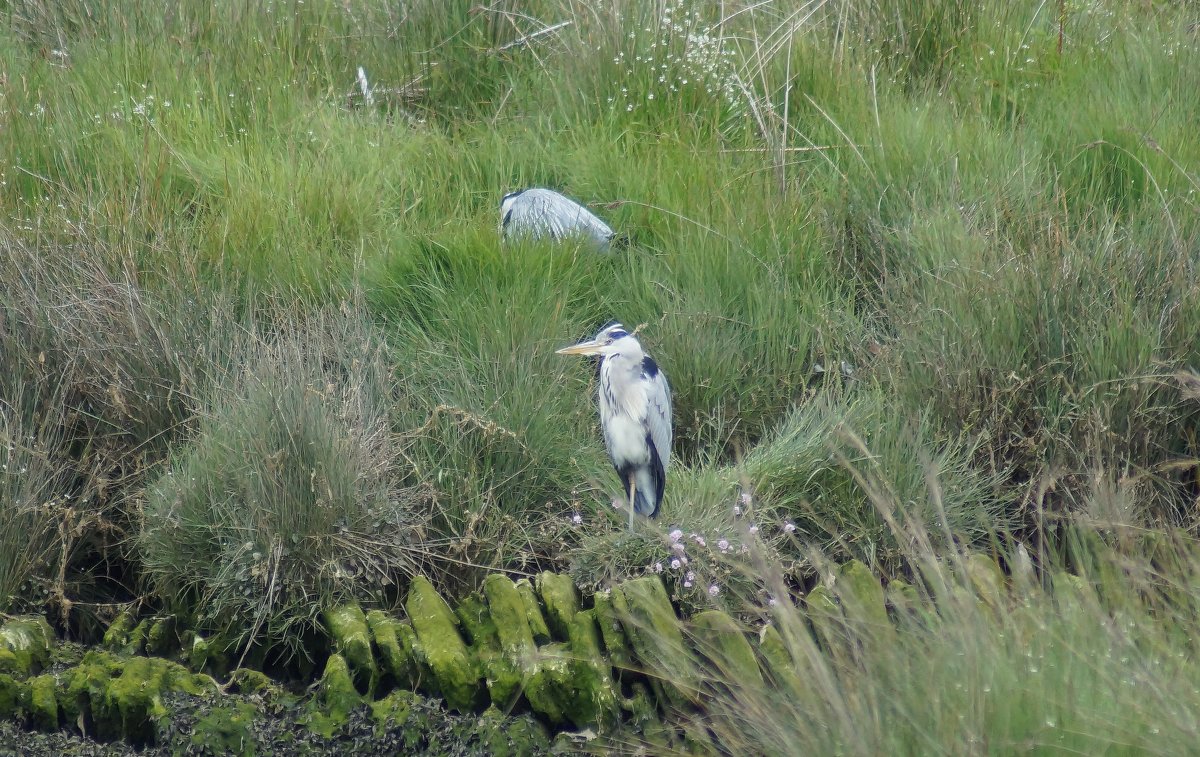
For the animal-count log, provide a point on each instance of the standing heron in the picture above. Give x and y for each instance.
(635, 415)
(535, 213)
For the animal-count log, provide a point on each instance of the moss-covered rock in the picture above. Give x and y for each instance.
(902, 596)
(441, 647)
(862, 597)
(336, 697)
(225, 730)
(116, 637)
(509, 616)
(393, 710)
(566, 687)
(123, 697)
(250, 681)
(508, 737)
(550, 688)
(533, 612)
(352, 640)
(592, 673)
(42, 705)
(12, 692)
(505, 645)
(616, 645)
(405, 723)
(560, 599)
(649, 622)
(136, 641)
(197, 653)
(778, 664)
(25, 645)
(395, 657)
(479, 630)
(985, 578)
(719, 639)
(1072, 594)
(827, 620)
(160, 638)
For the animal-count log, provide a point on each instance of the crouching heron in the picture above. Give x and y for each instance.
(635, 415)
(536, 213)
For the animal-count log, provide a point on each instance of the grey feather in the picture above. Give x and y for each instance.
(537, 213)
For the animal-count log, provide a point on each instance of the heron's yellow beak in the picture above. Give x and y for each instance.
(590, 347)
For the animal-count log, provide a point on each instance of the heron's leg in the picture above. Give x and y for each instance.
(632, 498)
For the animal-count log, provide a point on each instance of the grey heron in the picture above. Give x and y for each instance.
(635, 415)
(535, 213)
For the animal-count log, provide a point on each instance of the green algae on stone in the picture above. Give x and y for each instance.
(902, 596)
(643, 716)
(985, 578)
(124, 697)
(478, 627)
(352, 640)
(393, 710)
(568, 686)
(25, 645)
(719, 638)
(42, 706)
(533, 612)
(250, 681)
(226, 730)
(441, 647)
(136, 643)
(560, 599)
(649, 621)
(511, 737)
(592, 673)
(778, 663)
(862, 597)
(197, 653)
(406, 723)
(160, 636)
(549, 687)
(395, 657)
(12, 692)
(826, 617)
(616, 645)
(500, 671)
(509, 615)
(116, 637)
(336, 697)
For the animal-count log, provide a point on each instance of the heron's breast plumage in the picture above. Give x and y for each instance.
(623, 404)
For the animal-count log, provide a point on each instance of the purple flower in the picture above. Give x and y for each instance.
(772, 602)
(677, 547)
(700, 540)
(789, 527)
(753, 529)
(658, 567)
(577, 519)
(723, 545)
(676, 535)
(714, 590)
(675, 564)
(687, 584)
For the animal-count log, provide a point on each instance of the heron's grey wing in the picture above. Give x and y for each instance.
(545, 213)
(658, 416)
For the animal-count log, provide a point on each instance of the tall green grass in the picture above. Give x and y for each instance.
(986, 211)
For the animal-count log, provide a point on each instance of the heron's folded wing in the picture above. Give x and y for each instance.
(658, 416)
